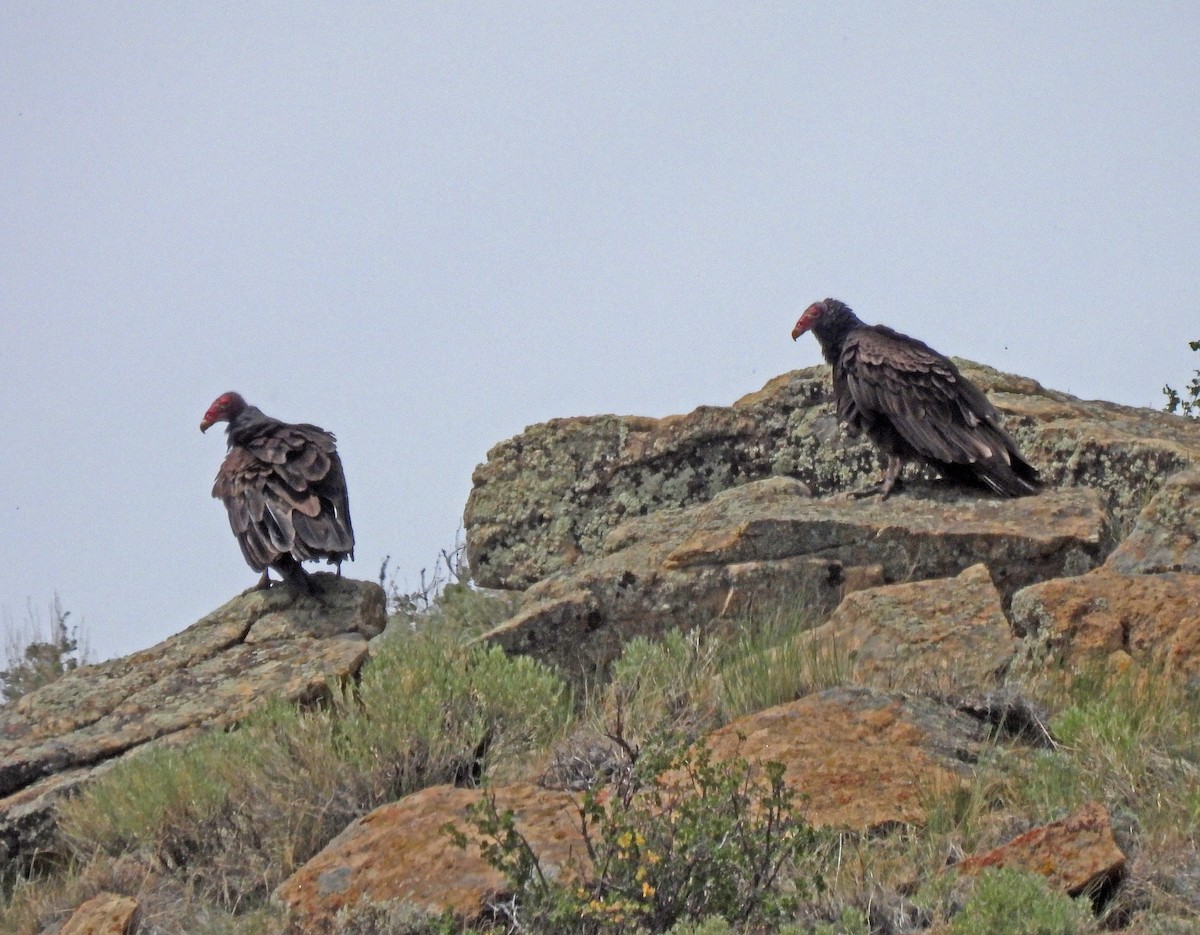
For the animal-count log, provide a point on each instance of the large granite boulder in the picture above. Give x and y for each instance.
(259, 646)
(549, 497)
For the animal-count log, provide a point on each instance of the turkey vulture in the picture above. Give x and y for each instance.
(284, 490)
(914, 405)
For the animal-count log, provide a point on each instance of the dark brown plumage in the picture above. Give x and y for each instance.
(284, 490)
(914, 405)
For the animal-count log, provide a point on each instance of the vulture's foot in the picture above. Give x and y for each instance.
(302, 583)
(883, 490)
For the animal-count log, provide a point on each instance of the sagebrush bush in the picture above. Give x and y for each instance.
(1008, 902)
(1186, 403)
(684, 838)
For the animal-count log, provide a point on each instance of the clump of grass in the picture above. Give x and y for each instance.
(774, 659)
(237, 812)
(663, 686)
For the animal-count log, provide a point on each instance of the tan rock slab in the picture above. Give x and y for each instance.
(946, 635)
(861, 759)
(398, 852)
(103, 914)
(259, 646)
(1076, 854)
(1154, 619)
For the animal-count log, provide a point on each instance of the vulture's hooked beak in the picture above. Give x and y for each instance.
(205, 425)
(808, 319)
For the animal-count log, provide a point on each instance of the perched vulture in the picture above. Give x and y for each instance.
(914, 405)
(284, 490)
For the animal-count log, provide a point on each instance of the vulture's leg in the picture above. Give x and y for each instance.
(263, 583)
(890, 483)
(891, 477)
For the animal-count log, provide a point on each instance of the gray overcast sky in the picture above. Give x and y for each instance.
(426, 226)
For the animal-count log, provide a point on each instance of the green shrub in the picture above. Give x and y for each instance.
(687, 838)
(664, 686)
(36, 654)
(1007, 902)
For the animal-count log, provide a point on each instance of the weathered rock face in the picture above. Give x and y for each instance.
(261, 645)
(1154, 619)
(549, 497)
(862, 760)
(1166, 536)
(769, 541)
(399, 852)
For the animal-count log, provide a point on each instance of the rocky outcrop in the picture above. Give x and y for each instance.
(262, 645)
(548, 498)
(860, 760)
(616, 527)
(769, 541)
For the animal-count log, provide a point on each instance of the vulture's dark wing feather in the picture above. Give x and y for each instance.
(887, 383)
(286, 493)
(240, 485)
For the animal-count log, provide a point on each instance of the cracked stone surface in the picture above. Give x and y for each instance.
(261, 645)
(769, 541)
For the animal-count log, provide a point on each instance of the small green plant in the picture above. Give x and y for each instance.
(664, 686)
(37, 654)
(685, 837)
(852, 921)
(1187, 403)
(1008, 902)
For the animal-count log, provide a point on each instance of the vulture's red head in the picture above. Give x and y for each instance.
(811, 316)
(224, 407)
